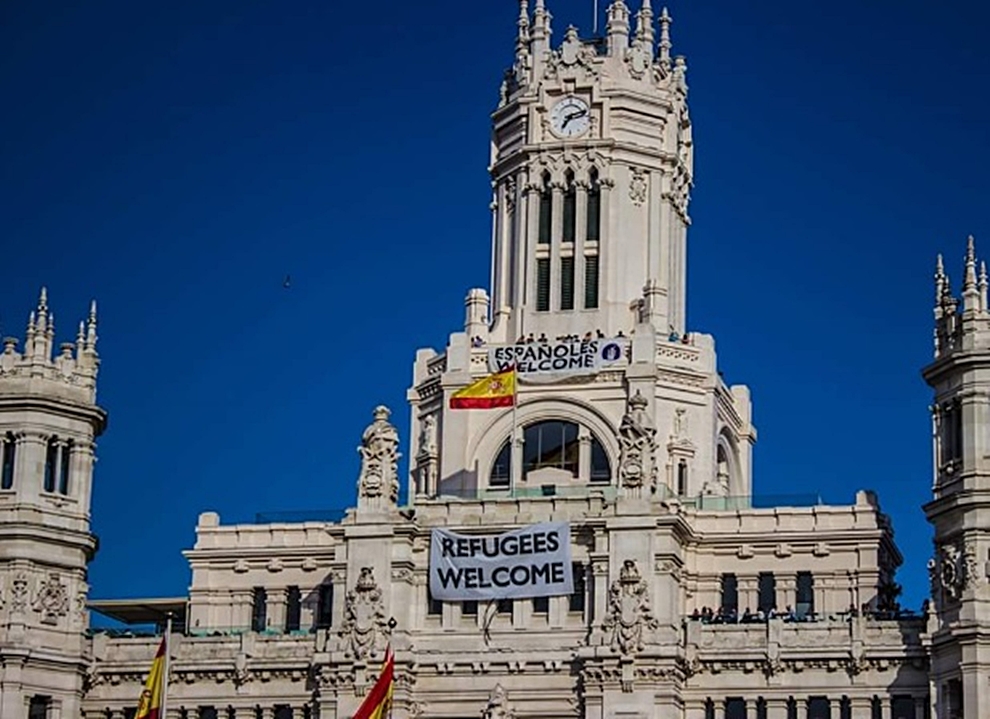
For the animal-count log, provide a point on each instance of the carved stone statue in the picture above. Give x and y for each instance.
(365, 625)
(629, 613)
(638, 447)
(498, 705)
(379, 460)
(952, 570)
(52, 600)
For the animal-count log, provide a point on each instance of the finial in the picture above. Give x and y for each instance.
(91, 327)
(523, 23)
(43, 299)
(982, 286)
(971, 294)
(665, 44)
(644, 27)
(81, 334)
(941, 281)
(32, 323)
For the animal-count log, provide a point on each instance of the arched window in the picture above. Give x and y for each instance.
(8, 447)
(592, 235)
(724, 466)
(546, 211)
(51, 464)
(65, 467)
(551, 444)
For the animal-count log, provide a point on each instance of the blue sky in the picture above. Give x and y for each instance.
(176, 160)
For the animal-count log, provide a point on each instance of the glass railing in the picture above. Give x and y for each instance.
(547, 491)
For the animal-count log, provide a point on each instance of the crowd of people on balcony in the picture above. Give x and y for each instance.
(732, 615)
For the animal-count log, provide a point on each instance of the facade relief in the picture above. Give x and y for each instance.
(629, 614)
(366, 628)
(498, 706)
(379, 450)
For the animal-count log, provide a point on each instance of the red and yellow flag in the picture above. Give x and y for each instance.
(497, 390)
(150, 704)
(379, 700)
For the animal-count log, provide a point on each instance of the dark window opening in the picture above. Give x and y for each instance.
(767, 589)
(469, 608)
(541, 605)
(682, 477)
(591, 282)
(293, 609)
(952, 435)
(576, 600)
(51, 464)
(283, 711)
(207, 712)
(730, 593)
(504, 606)
(601, 471)
(821, 708)
(259, 610)
(594, 212)
(735, 708)
(546, 212)
(551, 444)
(566, 283)
(64, 468)
(570, 209)
(434, 607)
(38, 707)
(543, 284)
(324, 606)
(9, 449)
(501, 473)
(804, 600)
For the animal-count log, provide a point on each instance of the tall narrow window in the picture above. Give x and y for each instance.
(601, 471)
(65, 467)
(804, 599)
(567, 283)
(952, 436)
(324, 606)
(576, 600)
(730, 593)
(259, 610)
(543, 284)
(594, 211)
(293, 609)
(569, 224)
(682, 477)
(502, 467)
(767, 592)
(546, 211)
(51, 464)
(590, 282)
(9, 449)
(735, 708)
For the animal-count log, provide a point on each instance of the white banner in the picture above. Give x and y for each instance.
(534, 561)
(558, 358)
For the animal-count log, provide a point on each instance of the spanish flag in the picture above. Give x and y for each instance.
(378, 703)
(497, 390)
(150, 704)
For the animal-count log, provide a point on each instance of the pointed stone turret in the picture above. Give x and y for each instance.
(644, 28)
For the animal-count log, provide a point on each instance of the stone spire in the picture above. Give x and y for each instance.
(522, 37)
(941, 286)
(970, 292)
(982, 285)
(665, 44)
(644, 27)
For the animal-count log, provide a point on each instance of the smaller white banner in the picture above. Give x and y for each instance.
(558, 358)
(534, 561)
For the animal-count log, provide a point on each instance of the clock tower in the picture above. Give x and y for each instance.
(591, 167)
(960, 508)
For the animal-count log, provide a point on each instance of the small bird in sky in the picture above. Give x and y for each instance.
(287, 282)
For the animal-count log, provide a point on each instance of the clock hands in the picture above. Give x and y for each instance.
(573, 116)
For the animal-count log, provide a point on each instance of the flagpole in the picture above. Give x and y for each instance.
(515, 424)
(168, 660)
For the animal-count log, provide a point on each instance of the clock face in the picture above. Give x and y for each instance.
(570, 117)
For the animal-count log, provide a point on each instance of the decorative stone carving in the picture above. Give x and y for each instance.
(510, 194)
(241, 674)
(638, 447)
(629, 613)
(680, 423)
(498, 705)
(379, 459)
(19, 593)
(952, 571)
(365, 624)
(428, 436)
(52, 599)
(637, 187)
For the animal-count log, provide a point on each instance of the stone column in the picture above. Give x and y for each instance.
(862, 707)
(786, 591)
(776, 708)
(556, 236)
(747, 590)
(584, 448)
(277, 598)
(694, 709)
(885, 706)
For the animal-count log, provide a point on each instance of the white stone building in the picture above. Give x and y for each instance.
(690, 601)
